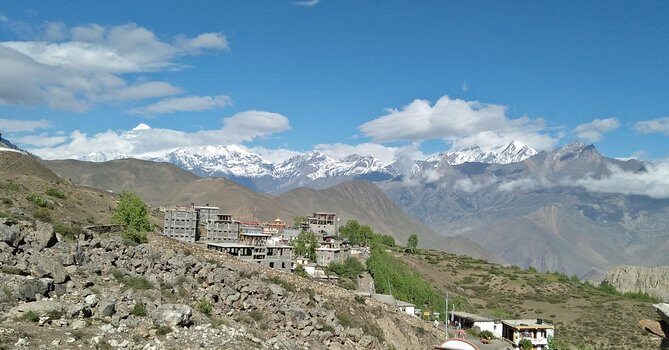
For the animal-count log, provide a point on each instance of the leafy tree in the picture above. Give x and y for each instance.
(385, 240)
(298, 220)
(391, 276)
(350, 268)
(305, 245)
(132, 212)
(357, 234)
(525, 344)
(413, 242)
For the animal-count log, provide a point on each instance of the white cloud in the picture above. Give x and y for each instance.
(525, 184)
(660, 125)
(595, 130)
(654, 182)
(272, 155)
(18, 125)
(41, 140)
(307, 3)
(462, 123)
(144, 141)
(465, 86)
(183, 104)
(76, 68)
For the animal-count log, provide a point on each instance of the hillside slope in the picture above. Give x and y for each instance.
(165, 184)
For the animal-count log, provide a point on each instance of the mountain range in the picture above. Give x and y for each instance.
(528, 208)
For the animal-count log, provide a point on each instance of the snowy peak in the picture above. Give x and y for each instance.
(230, 160)
(511, 153)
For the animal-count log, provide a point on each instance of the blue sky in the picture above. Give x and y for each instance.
(327, 74)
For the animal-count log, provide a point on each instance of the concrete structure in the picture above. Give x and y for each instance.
(467, 321)
(206, 214)
(405, 307)
(535, 330)
(326, 256)
(290, 233)
(332, 250)
(181, 224)
(323, 223)
(278, 257)
(224, 229)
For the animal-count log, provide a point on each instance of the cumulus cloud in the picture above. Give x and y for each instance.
(307, 3)
(144, 141)
(525, 184)
(41, 140)
(659, 125)
(654, 182)
(18, 125)
(183, 104)
(459, 122)
(595, 130)
(76, 68)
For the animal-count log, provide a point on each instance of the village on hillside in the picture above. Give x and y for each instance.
(276, 244)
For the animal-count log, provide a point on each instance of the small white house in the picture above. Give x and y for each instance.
(405, 307)
(466, 320)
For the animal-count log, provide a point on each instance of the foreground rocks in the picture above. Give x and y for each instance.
(97, 292)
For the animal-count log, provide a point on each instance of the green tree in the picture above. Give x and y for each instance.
(413, 242)
(350, 268)
(305, 245)
(357, 234)
(298, 220)
(525, 344)
(132, 212)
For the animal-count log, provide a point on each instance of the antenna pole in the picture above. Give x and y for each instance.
(446, 323)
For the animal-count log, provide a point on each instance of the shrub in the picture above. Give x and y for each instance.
(69, 233)
(8, 185)
(133, 236)
(54, 314)
(7, 201)
(139, 310)
(42, 214)
(350, 268)
(132, 212)
(328, 328)
(204, 306)
(299, 270)
(257, 315)
(56, 193)
(30, 316)
(525, 344)
(486, 335)
(39, 201)
(138, 282)
(163, 330)
(347, 283)
(359, 299)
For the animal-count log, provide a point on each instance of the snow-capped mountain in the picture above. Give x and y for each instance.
(511, 153)
(311, 169)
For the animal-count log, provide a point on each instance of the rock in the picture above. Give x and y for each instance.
(29, 288)
(48, 267)
(10, 235)
(106, 308)
(91, 300)
(651, 280)
(22, 342)
(78, 324)
(4, 297)
(172, 315)
(39, 307)
(663, 311)
(43, 235)
(276, 289)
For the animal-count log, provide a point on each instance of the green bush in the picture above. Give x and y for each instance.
(305, 245)
(8, 185)
(351, 268)
(347, 283)
(300, 271)
(134, 236)
(257, 315)
(163, 330)
(7, 201)
(138, 282)
(42, 214)
(392, 275)
(30, 316)
(525, 344)
(204, 306)
(139, 310)
(69, 233)
(56, 193)
(39, 201)
(132, 212)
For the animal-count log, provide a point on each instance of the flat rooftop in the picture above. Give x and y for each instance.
(229, 245)
(472, 317)
(255, 234)
(527, 324)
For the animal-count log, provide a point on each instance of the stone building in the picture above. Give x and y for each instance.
(181, 223)
(323, 223)
(223, 229)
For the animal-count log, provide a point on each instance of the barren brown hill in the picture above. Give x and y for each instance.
(166, 184)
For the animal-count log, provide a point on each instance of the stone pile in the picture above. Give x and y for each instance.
(99, 291)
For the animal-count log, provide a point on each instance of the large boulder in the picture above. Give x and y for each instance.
(11, 235)
(43, 235)
(49, 267)
(39, 307)
(172, 315)
(106, 308)
(27, 288)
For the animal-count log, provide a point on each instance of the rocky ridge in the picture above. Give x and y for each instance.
(97, 291)
(653, 281)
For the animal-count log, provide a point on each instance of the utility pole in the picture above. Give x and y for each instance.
(446, 323)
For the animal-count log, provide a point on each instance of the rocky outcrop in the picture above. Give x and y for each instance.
(100, 292)
(651, 280)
